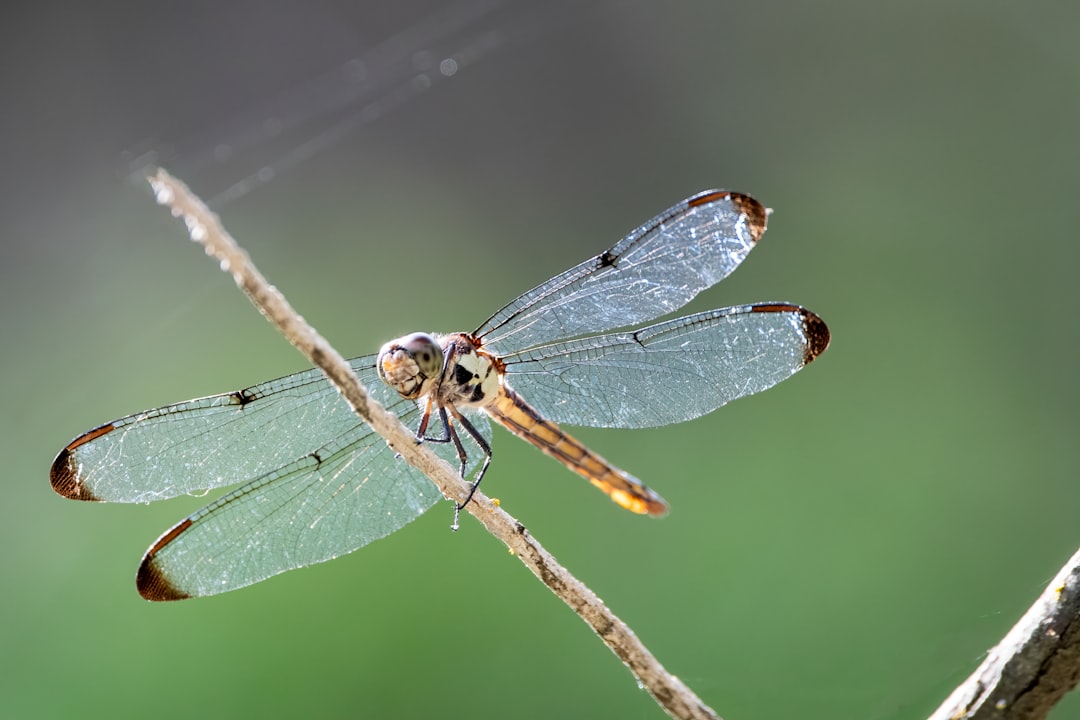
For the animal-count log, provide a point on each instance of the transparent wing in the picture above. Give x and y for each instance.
(669, 372)
(212, 442)
(318, 482)
(324, 483)
(333, 501)
(653, 271)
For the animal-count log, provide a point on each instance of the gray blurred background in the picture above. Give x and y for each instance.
(846, 545)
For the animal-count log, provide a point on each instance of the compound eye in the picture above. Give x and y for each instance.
(425, 352)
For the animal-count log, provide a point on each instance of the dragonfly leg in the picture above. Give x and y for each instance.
(485, 448)
(421, 430)
(452, 435)
(449, 435)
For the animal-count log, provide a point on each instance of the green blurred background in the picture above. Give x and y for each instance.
(847, 545)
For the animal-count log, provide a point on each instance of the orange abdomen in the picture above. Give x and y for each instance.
(520, 418)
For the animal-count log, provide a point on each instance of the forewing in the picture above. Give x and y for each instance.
(214, 441)
(653, 271)
(669, 372)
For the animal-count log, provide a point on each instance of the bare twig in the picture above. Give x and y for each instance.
(1034, 666)
(204, 227)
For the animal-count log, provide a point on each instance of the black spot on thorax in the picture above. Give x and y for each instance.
(462, 375)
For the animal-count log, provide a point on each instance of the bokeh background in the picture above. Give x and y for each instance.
(848, 544)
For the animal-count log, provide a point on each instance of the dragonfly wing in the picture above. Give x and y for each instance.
(653, 271)
(669, 372)
(333, 501)
(212, 442)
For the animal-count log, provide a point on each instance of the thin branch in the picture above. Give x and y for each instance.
(1034, 666)
(204, 227)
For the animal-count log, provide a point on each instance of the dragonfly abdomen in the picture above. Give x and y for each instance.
(511, 411)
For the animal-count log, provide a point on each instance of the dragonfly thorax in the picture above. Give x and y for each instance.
(471, 376)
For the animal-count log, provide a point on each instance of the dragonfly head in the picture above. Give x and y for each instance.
(410, 364)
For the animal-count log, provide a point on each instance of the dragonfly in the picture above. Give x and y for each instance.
(315, 482)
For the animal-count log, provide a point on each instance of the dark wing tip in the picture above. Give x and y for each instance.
(817, 335)
(757, 217)
(64, 476)
(815, 331)
(154, 586)
(150, 581)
